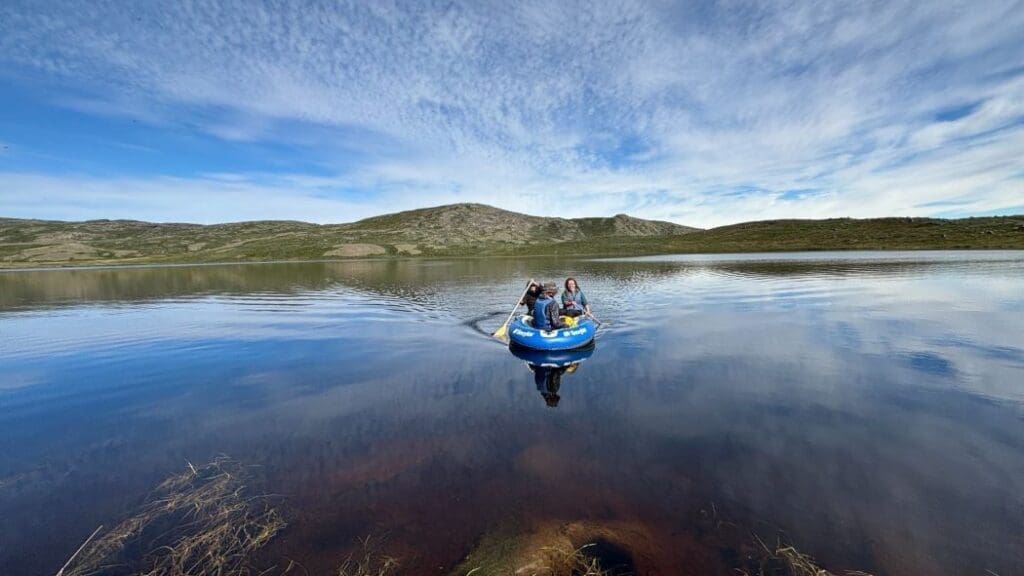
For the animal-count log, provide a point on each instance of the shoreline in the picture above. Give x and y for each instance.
(106, 265)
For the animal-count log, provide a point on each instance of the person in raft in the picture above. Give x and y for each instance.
(574, 302)
(532, 293)
(546, 311)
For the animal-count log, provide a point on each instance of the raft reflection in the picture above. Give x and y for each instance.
(548, 366)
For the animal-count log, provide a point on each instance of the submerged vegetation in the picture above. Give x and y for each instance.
(785, 560)
(368, 561)
(474, 230)
(200, 522)
(204, 522)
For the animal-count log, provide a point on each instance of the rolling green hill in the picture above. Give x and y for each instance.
(473, 230)
(983, 233)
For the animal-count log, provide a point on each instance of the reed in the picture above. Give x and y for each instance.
(203, 522)
(786, 560)
(200, 522)
(369, 561)
(567, 561)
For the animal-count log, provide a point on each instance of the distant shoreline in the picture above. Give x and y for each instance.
(103, 265)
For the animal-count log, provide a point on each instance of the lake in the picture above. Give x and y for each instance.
(867, 408)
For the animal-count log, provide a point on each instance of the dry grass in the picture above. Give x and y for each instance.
(563, 561)
(197, 523)
(785, 560)
(369, 561)
(799, 564)
(202, 522)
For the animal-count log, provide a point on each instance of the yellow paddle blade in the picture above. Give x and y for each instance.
(501, 332)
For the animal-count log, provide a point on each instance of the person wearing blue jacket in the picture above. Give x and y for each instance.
(546, 310)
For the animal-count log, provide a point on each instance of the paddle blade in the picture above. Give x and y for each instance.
(500, 333)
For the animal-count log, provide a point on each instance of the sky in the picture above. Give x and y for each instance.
(701, 113)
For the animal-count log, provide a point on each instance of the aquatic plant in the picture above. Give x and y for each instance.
(369, 561)
(203, 522)
(200, 522)
(785, 560)
(563, 561)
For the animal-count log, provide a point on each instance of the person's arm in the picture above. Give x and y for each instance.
(553, 317)
(583, 300)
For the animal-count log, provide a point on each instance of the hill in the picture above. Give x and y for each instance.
(981, 233)
(452, 230)
(474, 230)
(479, 224)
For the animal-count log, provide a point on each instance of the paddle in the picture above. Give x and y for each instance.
(592, 317)
(500, 333)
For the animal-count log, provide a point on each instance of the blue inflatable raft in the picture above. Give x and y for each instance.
(552, 358)
(522, 333)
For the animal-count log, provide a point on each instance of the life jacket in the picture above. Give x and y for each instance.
(540, 317)
(572, 300)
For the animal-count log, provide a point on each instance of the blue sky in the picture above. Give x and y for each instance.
(702, 113)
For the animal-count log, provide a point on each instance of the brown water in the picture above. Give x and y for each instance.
(870, 407)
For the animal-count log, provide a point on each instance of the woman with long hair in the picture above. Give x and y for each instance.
(574, 302)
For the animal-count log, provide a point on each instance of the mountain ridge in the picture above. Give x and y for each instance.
(450, 229)
(473, 230)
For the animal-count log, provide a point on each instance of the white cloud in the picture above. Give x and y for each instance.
(657, 110)
(162, 199)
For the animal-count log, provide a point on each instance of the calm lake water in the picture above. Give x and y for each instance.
(868, 406)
